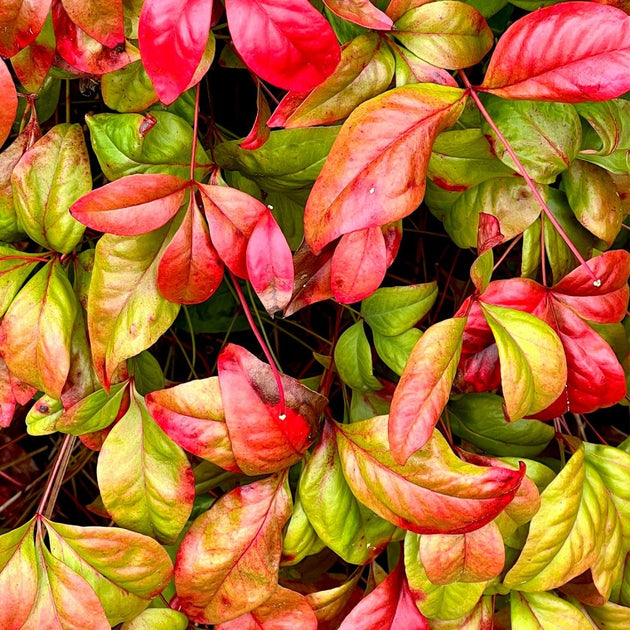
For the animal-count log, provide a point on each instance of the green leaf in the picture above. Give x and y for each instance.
(545, 136)
(10, 229)
(444, 602)
(445, 34)
(123, 147)
(393, 310)
(610, 616)
(344, 524)
(353, 359)
(147, 373)
(482, 269)
(593, 197)
(128, 89)
(126, 311)
(533, 364)
(395, 351)
(508, 199)
(300, 538)
(584, 534)
(46, 307)
(18, 575)
(291, 159)
(145, 479)
(539, 611)
(125, 569)
(94, 412)
(609, 122)
(479, 419)
(157, 619)
(15, 268)
(463, 158)
(42, 417)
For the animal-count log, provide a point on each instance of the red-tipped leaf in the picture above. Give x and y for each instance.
(8, 101)
(20, 23)
(103, 21)
(361, 12)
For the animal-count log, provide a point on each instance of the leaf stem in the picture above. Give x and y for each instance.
(55, 479)
(545, 208)
(263, 345)
(194, 139)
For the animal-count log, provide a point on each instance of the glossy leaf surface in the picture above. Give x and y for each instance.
(9, 101)
(20, 22)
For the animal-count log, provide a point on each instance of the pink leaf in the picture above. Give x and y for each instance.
(260, 131)
(390, 606)
(20, 23)
(132, 205)
(262, 440)
(103, 21)
(571, 52)
(285, 42)
(361, 12)
(172, 37)
(358, 265)
(8, 102)
(270, 264)
(231, 216)
(190, 269)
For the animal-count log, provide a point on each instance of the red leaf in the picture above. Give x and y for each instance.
(20, 23)
(285, 42)
(103, 21)
(191, 414)
(8, 101)
(262, 440)
(489, 233)
(361, 12)
(190, 269)
(378, 162)
(270, 264)
(571, 52)
(172, 36)
(228, 562)
(260, 131)
(390, 606)
(32, 64)
(231, 215)
(132, 205)
(83, 52)
(285, 609)
(358, 265)
(424, 387)
(7, 398)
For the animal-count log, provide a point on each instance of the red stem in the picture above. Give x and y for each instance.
(545, 208)
(263, 345)
(194, 140)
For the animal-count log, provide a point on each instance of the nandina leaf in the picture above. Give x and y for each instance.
(191, 414)
(32, 64)
(543, 610)
(128, 89)
(63, 596)
(158, 619)
(447, 34)
(606, 120)
(7, 398)
(20, 23)
(476, 556)
(285, 42)
(594, 199)
(344, 524)
(15, 268)
(172, 38)
(126, 312)
(358, 265)
(434, 493)
(587, 61)
(283, 609)
(300, 539)
(412, 69)
(132, 205)
(262, 440)
(46, 307)
(103, 21)
(391, 133)
(190, 269)
(85, 53)
(269, 264)
(365, 70)
(49, 178)
(389, 606)
(330, 605)
(438, 602)
(392, 311)
(145, 479)
(8, 102)
(125, 569)
(124, 145)
(232, 216)
(533, 365)
(260, 131)
(18, 575)
(353, 359)
(424, 387)
(608, 615)
(228, 561)
(395, 351)
(361, 12)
